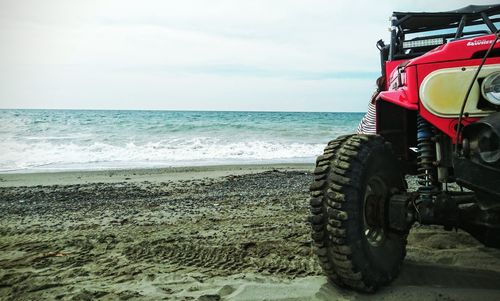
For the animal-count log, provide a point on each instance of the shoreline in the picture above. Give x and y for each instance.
(132, 175)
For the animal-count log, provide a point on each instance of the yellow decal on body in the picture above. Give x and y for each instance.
(442, 92)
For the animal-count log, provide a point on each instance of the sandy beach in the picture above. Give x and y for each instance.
(200, 233)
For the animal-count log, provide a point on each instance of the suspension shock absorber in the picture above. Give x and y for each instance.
(425, 160)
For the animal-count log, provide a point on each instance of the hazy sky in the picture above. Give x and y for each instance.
(289, 55)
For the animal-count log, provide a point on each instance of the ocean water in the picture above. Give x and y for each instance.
(53, 140)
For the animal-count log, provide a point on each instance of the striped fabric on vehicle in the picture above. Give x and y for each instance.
(367, 125)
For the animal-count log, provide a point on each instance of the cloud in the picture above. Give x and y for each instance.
(242, 54)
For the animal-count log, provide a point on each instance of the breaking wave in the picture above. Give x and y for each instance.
(46, 155)
(34, 140)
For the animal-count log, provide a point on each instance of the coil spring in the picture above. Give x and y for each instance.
(426, 155)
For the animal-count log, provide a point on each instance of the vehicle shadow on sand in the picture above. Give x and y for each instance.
(419, 274)
(419, 281)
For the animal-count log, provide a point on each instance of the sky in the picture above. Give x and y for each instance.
(253, 55)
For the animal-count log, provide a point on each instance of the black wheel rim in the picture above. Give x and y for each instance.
(374, 211)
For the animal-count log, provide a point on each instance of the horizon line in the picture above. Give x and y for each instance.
(180, 110)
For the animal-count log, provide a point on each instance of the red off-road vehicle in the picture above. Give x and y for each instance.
(438, 119)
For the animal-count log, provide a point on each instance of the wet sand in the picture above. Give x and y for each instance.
(203, 233)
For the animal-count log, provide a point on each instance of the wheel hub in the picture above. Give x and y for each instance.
(374, 211)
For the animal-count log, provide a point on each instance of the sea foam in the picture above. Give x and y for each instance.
(90, 140)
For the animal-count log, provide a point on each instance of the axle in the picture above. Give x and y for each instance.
(453, 210)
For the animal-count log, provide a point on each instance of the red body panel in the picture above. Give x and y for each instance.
(390, 66)
(466, 52)
(407, 94)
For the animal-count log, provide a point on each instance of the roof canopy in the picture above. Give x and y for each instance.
(421, 21)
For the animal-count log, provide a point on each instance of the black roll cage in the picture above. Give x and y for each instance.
(404, 23)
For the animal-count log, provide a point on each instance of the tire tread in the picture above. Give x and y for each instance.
(335, 170)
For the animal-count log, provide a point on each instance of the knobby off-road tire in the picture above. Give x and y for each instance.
(349, 196)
